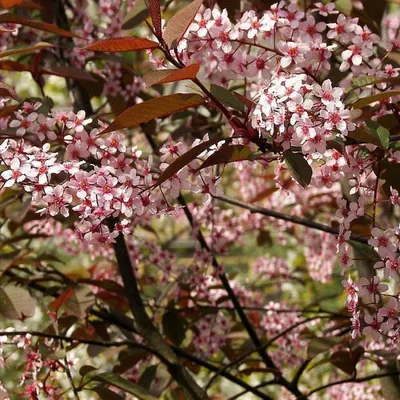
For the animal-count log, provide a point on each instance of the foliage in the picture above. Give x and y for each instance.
(213, 210)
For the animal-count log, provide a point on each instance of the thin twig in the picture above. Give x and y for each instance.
(290, 218)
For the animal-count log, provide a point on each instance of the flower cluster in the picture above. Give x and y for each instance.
(293, 113)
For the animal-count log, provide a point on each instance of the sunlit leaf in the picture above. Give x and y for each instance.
(154, 108)
(80, 301)
(381, 133)
(180, 22)
(16, 303)
(10, 3)
(170, 75)
(120, 44)
(362, 81)
(344, 6)
(363, 136)
(27, 50)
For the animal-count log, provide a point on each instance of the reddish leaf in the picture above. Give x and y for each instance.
(68, 72)
(185, 159)
(59, 301)
(9, 65)
(120, 44)
(10, 3)
(180, 22)
(8, 91)
(155, 108)
(27, 50)
(228, 154)
(155, 13)
(41, 26)
(171, 75)
(347, 360)
(7, 111)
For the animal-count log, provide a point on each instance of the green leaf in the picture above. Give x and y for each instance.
(226, 97)
(365, 101)
(299, 167)
(107, 394)
(364, 136)
(381, 133)
(366, 257)
(264, 238)
(362, 81)
(174, 327)
(16, 303)
(180, 22)
(154, 108)
(27, 50)
(148, 376)
(227, 154)
(344, 6)
(185, 159)
(125, 385)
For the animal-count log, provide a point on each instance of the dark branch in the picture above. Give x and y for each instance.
(290, 218)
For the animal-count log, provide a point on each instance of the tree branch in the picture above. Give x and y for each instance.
(290, 218)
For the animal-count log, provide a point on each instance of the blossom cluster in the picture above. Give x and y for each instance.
(95, 179)
(292, 113)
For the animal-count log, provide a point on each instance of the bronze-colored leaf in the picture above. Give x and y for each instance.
(39, 25)
(68, 72)
(8, 91)
(180, 22)
(154, 108)
(185, 159)
(155, 13)
(170, 75)
(121, 44)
